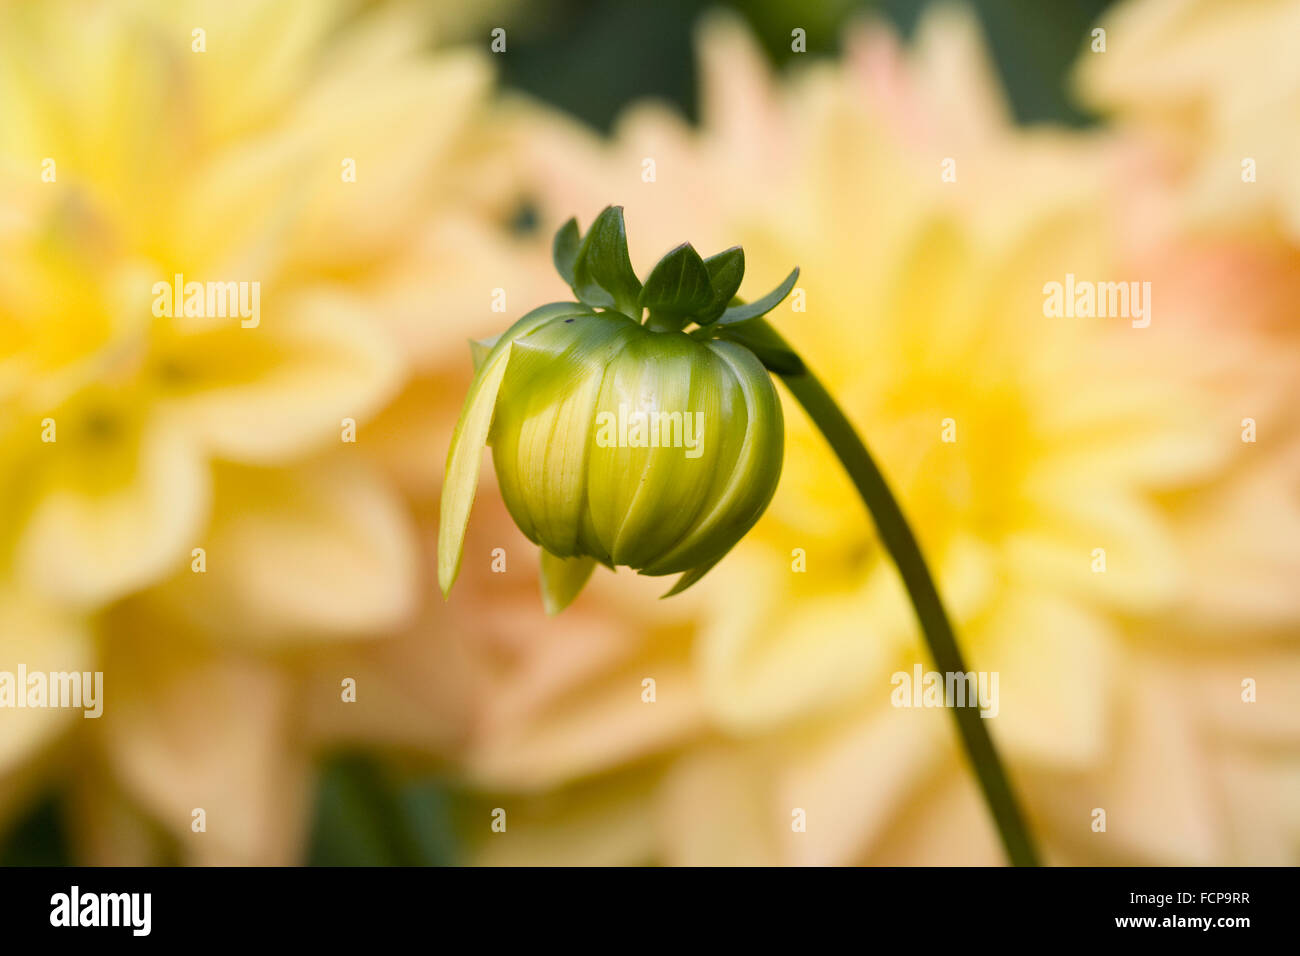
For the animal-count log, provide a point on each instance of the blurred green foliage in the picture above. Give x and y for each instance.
(593, 57)
(367, 815)
(37, 837)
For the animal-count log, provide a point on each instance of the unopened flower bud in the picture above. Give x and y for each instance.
(615, 442)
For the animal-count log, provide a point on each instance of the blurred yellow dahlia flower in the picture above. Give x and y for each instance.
(1212, 89)
(1217, 84)
(223, 229)
(1068, 476)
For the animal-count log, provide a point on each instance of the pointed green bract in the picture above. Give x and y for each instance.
(564, 251)
(739, 313)
(480, 349)
(562, 580)
(690, 578)
(679, 284)
(726, 270)
(602, 273)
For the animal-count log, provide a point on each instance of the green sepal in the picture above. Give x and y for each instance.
(726, 269)
(563, 579)
(602, 273)
(690, 577)
(678, 285)
(752, 310)
(480, 349)
(564, 250)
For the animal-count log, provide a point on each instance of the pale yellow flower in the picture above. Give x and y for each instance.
(1217, 82)
(1213, 90)
(325, 151)
(925, 317)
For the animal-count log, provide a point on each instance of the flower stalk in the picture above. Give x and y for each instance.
(900, 542)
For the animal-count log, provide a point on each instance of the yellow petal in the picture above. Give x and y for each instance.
(42, 639)
(186, 730)
(270, 394)
(563, 579)
(121, 503)
(324, 551)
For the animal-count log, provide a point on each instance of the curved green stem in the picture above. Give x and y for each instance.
(901, 543)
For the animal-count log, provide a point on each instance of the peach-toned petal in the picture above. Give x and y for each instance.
(717, 808)
(314, 553)
(610, 824)
(838, 779)
(187, 731)
(947, 824)
(1055, 663)
(271, 394)
(1159, 799)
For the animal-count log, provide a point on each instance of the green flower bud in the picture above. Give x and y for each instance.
(615, 442)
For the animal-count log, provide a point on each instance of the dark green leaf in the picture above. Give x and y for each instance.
(366, 816)
(430, 831)
(354, 818)
(568, 240)
(740, 313)
(38, 838)
(726, 269)
(678, 284)
(603, 274)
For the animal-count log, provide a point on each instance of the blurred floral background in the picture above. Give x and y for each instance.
(206, 533)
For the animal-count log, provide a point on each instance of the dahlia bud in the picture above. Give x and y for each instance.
(617, 442)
